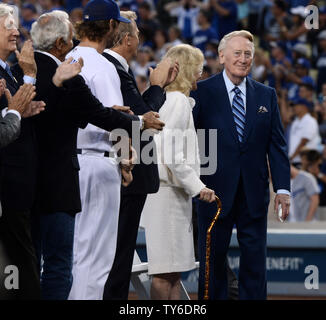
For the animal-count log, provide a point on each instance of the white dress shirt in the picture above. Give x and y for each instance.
(230, 86)
(119, 57)
(126, 66)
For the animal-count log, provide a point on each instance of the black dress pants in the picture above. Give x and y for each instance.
(117, 284)
(17, 249)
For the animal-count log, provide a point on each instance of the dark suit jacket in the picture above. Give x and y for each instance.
(145, 176)
(9, 129)
(18, 160)
(263, 136)
(67, 109)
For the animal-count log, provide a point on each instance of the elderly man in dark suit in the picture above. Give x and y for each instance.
(69, 107)
(10, 119)
(249, 137)
(18, 165)
(145, 177)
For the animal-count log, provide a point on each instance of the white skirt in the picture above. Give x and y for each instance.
(96, 226)
(167, 219)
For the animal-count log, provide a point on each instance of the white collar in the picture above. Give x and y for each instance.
(3, 64)
(230, 85)
(50, 55)
(119, 57)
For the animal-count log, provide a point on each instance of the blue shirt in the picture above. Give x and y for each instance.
(27, 24)
(202, 37)
(228, 23)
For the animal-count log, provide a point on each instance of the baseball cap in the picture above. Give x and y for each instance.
(300, 11)
(29, 6)
(278, 44)
(301, 48)
(303, 62)
(302, 101)
(210, 54)
(102, 10)
(322, 10)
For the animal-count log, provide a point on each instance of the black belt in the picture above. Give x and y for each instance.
(108, 154)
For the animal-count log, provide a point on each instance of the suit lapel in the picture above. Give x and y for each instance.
(223, 97)
(251, 108)
(120, 68)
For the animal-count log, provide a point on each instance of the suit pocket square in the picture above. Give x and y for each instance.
(262, 109)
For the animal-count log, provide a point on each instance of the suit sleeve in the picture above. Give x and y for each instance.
(277, 155)
(177, 114)
(91, 110)
(151, 100)
(9, 129)
(154, 97)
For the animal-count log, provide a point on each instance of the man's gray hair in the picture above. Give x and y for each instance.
(48, 28)
(242, 33)
(124, 28)
(5, 10)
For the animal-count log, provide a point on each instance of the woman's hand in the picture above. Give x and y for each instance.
(207, 195)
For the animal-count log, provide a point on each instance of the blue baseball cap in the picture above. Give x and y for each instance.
(322, 10)
(303, 62)
(96, 10)
(210, 54)
(29, 6)
(299, 100)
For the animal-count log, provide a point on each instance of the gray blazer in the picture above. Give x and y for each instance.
(9, 131)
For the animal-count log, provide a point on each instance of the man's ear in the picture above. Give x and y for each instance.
(221, 57)
(126, 38)
(113, 24)
(59, 43)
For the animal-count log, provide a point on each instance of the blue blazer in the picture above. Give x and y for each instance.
(263, 141)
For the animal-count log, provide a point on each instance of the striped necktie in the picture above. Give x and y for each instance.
(9, 72)
(239, 113)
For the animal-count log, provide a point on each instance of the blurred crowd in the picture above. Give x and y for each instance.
(290, 56)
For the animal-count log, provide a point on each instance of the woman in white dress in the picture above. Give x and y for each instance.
(167, 215)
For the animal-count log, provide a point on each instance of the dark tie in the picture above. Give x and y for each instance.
(239, 113)
(9, 72)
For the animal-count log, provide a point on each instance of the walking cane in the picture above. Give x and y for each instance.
(208, 246)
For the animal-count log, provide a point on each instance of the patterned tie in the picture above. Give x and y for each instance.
(239, 112)
(9, 72)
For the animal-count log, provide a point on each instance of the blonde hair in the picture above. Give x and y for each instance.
(242, 33)
(190, 61)
(124, 28)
